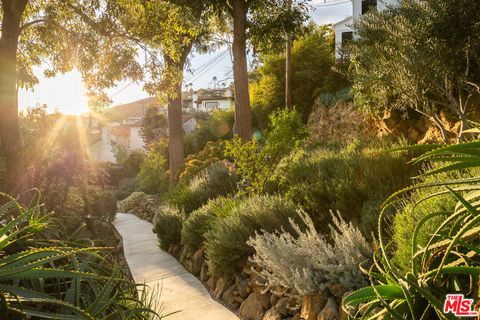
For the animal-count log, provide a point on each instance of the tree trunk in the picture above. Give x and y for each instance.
(243, 117)
(288, 73)
(176, 152)
(288, 67)
(9, 123)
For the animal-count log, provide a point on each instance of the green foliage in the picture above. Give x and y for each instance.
(214, 181)
(56, 277)
(168, 226)
(212, 152)
(210, 127)
(256, 161)
(126, 186)
(154, 125)
(153, 177)
(140, 204)
(353, 180)
(129, 162)
(313, 58)
(202, 220)
(417, 56)
(448, 262)
(226, 242)
(92, 205)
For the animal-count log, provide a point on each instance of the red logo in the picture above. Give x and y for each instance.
(459, 306)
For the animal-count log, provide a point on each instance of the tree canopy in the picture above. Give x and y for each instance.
(419, 57)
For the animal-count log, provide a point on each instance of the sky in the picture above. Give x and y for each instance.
(66, 92)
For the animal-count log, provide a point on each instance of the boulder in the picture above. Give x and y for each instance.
(230, 295)
(272, 314)
(254, 307)
(211, 283)
(282, 306)
(330, 311)
(274, 299)
(296, 316)
(312, 305)
(256, 282)
(197, 262)
(221, 285)
(242, 286)
(204, 272)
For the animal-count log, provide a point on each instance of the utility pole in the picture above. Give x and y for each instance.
(288, 65)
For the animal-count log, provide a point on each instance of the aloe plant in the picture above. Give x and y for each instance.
(54, 279)
(448, 263)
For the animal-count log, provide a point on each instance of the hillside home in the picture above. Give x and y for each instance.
(208, 100)
(129, 135)
(344, 31)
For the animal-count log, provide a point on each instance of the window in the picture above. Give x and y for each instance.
(347, 37)
(211, 105)
(368, 5)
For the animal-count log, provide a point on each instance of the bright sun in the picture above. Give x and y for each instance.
(64, 92)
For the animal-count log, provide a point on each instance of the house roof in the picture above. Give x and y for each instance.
(349, 18)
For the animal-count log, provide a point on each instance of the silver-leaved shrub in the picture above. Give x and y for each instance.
(307, 261)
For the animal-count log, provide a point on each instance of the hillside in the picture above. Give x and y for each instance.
(125, 111)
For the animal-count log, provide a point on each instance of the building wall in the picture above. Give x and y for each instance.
(136, 140)
(345, 26)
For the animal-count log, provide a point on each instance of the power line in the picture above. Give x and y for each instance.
(123, 89)
(320, 5)
(206, 67)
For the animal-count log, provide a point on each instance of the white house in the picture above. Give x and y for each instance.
(210, 99)
(344, 31)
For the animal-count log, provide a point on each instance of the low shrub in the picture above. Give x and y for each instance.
(353, 180)
(140, 204)
(126, 187)
(168, 226)
(153, 174)
(307, 262)
(195, 163)
(201, 221)
(214, 181)
(256, 160)
(226, 242)
(92, 204)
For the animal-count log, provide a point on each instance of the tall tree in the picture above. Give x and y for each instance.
(68, 34)
(265, 23)
(169, 33)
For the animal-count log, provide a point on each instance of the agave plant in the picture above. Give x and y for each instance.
(52, 279)
(450, 261)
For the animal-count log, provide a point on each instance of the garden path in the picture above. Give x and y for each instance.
(174, 288)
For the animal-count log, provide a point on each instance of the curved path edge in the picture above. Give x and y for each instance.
(171, 288)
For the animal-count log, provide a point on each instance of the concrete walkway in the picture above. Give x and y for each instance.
(176, 289)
